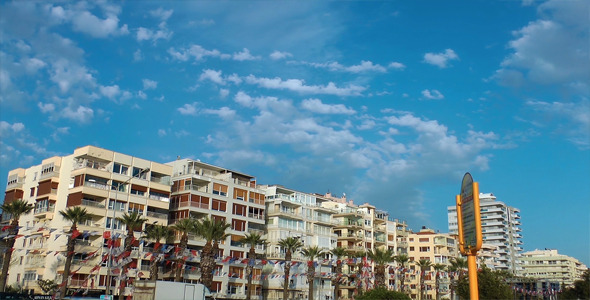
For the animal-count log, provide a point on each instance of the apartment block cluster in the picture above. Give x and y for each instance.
(109, 184)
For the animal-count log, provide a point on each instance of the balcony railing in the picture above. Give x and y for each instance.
(86, 163)
(50, 208)
(194, 204)
(91, 203)
(256, 216)
(96, 185)
(160, 198)
(157, 215)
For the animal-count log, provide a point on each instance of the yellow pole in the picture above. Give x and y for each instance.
(472, 266)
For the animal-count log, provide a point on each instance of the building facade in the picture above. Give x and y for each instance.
(105, 183)
(501, 233)
(438, 249)
(549, 265)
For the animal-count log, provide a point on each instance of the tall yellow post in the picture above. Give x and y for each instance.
(472, 266)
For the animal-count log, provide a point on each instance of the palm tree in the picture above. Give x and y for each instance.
(251, 239)
(361, 259)
(76, 215)
(211, 231)
(183, 226)
(424, 265)
(402, 259)
(339, 253)
(381, 257)
(311, 252)
(132, 222)
(458, 264)
(438, 268)
(290, 245)
(157, 233)
(15, 210)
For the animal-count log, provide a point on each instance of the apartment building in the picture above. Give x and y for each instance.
(438, 248)
(292, 213)
(202, 190)
(548, 265)
(107, 184)
(500, 230)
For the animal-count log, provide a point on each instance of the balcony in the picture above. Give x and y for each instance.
(192, 187)
(284, 212)
(159, 198)
(49, 173)
(44, 212)
(256, 216)
(348, 212)
(194, 204)
(157, 215)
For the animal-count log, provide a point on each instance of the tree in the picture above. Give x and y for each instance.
(157, 233)
(402, 259)
(133, 221)
(438, 268)
(311, 253)
(381, 257)
(289, 245)
(339, 253)
(424, 265)
(492, 285)
(48, 286)
(382, 293)
(361, 257)
(76, 215)
(580, 289)
(15, 210)
(184, 227)
(251, 239)
(458, 265)
(211, 231)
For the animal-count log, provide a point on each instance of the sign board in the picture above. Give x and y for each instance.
(469, 216)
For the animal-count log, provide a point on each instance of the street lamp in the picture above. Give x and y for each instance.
(110, 261)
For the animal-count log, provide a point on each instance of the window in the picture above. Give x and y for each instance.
(424, 249)
(113, 223)
(32, 192)
(239, 210)
(134, 207)
(423, 240)
(240, 194)
(116, 205)
(139, 173)
(218, 205)
(219, 189)
(118, 186)
(238, 225)
(120, 169)
(411, 248)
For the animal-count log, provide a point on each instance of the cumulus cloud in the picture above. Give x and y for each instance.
(244, 55)
(81, 114)
(298, 85)
(146, 34)
(397, 66)
(316, 106)
(432, 94)
(213, 76)
(551, 50)
(8, 128)
(224, 112)
(189, 109)
(161, 13)
(149, 84)
(276, 55)
(442, 59)
(88, 23)
(196, 52)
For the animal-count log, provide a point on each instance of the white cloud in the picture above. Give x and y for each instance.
(223, 93)
(149, 84)
(440, 59)
(189, 109)
(244, 55)
(276, 55)
(571, 120)
(110, 92)
(88, 23)
(224, 112)
(316, 106)
(161, 132)
(397, 66)
(145, 34)
(212, 75)
(364, 66)
(197, 52)
(299, 86)
(7, 128)
(32, 65)
(46, 107)
(161, 13)
(137, 56)
(81, 114)
(67, 74)
(432, 94)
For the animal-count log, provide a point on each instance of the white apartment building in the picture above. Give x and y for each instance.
(549, 265)
(202, 190)
(107, 184)
(296, 214)
(500, 230)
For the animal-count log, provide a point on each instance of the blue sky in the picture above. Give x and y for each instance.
(390, 102)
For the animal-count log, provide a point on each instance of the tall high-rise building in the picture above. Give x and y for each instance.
(500, 230)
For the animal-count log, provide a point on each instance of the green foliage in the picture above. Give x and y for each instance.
(382, 294)
(492, 285)
(15, 288)
(580, 290)
(48, 286)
